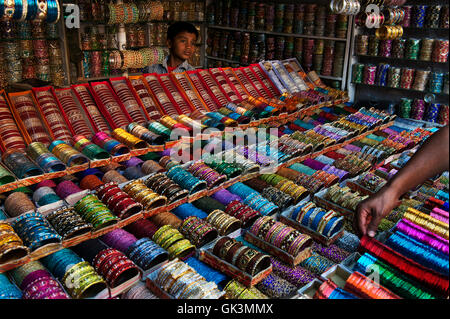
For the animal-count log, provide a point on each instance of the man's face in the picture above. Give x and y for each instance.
(183, 46)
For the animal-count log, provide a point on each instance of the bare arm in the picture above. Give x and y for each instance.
(431, 159)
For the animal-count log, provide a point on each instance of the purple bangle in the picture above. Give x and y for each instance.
(439, 217)
(333, 252)
(134, 161)
(41, 273)
(390, 131)
(119, 239)
(226, 197)
(352, 148)
(312, 163)
(441, 212)
(423, 235)
(297, 276)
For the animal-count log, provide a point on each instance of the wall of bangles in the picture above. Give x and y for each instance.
(243, 32)
(403, 66)
(112, 42)
(32, 43)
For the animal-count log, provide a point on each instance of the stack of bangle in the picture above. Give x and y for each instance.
(244, 213)
(317, 264)
(8, 290)
(317, 219)
(327, 178)
(119, 202)
(185, 179)
(272, 151)
(365, 288)
(426, 221)
(344, 197)
(159, 129)
(114, 176)
(146, 254)
(172, 124)
(11, 246)
(115, 267)
(139, 290)
(44, 196)
(145, 134)
(295, 191)
(5, 176)
(253, 199)
(231, 170)
(311, 139)
(67, 154)
(354, 164)
(164, 186)
(224, 223)
(82, 281)
(276, 287)
(173, 241)
(91, 150)
(35, 230)
(68, 223)
(235, 290)
(279, 198)
(92, 210)
(296, 147)
(150, 166)
(329, 290)
(20, 164)
(258, 158)
(46, 160)
(203, 172)
(144, 195)
(37, 283)
(18, 203)
(109, 144)
(241, 256)
(128, 139)
(280, 235)
(183, 282)
(198, 231)
(371, 181)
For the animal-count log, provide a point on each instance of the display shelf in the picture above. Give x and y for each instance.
(420, 63)
(385, 96)
(295, 35)
(441, 95)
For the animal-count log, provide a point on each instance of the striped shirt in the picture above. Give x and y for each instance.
(163, 69)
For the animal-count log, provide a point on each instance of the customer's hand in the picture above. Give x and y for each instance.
(371, 211)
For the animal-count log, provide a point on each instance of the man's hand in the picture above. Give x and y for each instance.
(371, 211)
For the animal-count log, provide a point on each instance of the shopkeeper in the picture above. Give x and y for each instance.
(181, 41)
(430, 160)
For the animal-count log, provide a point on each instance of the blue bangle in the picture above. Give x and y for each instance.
(18, 8)
(32, 9)
(317, 219)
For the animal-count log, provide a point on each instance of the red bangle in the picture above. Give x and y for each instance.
(113, 201)
(122, 208)
(114, 276)
(103, 256)
(105, 188)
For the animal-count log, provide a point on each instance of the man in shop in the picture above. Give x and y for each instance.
(430, 160)
(181, 41)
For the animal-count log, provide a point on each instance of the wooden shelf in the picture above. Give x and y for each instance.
(277, 33)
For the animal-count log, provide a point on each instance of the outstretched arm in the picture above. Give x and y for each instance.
(431, 159)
